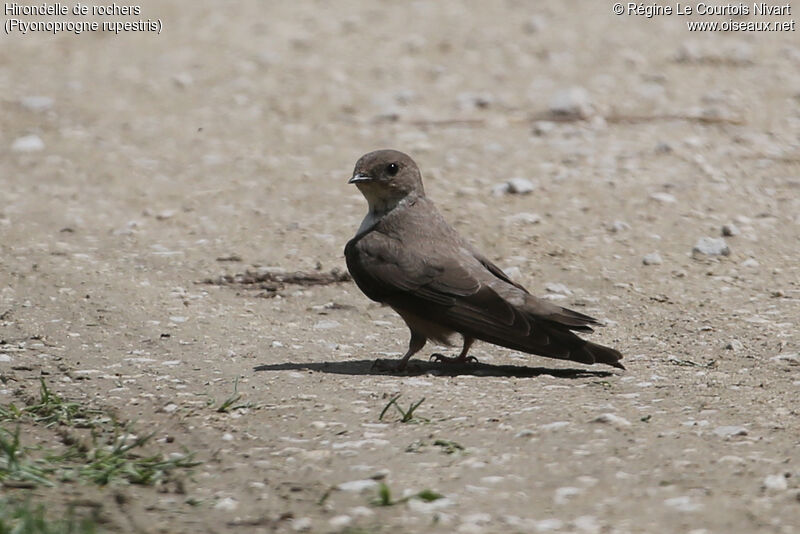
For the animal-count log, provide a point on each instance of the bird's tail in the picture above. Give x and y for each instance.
(601, 354)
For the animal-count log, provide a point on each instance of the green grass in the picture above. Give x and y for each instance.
(406, 416)
(51, 409)
(114, 454)
(229, 403)
(22, 517)
(385, 496)
(449, 447)
(14, 464)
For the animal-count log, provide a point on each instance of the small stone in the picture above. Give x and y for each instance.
(37, 103)
(543, 127)
(563, 495)
(734, 345)
(664, 198)
(546, 525)
(5, 358)
(573, 102)
(183, 79)
(227, 504)
(361, 511)
(523, 218)
(730, 230)
(559, 289)
(357, 486)
(654, 258)
(750, 263)
(612, 419)
(683, 504)
(776, 483)
(663, 148)
(520, 186)
(340, 521)
(513, 272)
(164, 215)
(618, 226)
(711, 246)
(28, 143)
(535, 24)
(301, 524)
(326, 325)
(588, 524)
(730, 431)
(524, 433)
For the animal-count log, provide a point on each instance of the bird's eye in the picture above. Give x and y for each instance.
(392, 169)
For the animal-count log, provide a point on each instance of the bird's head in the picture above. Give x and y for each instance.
(385, 178)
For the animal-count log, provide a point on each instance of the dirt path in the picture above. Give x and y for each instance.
(223, 145)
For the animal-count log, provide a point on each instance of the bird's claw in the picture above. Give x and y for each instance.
(441, 358)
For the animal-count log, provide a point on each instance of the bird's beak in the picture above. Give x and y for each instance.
(359, 178)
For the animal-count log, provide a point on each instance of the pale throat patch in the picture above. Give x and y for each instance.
(376, 212)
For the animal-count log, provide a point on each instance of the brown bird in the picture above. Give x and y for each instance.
(405, 255)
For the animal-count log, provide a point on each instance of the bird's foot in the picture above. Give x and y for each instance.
(450, 360)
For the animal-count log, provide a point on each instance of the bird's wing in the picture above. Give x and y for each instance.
(538, 308)
(437, 287)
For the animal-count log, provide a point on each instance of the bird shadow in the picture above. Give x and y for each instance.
(421, 367)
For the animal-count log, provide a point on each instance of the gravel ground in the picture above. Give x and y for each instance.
(600, 159)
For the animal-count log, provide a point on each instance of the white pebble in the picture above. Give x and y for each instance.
(357, 486)
(618, 226)
(361, 511)
(587, 523)
(37, 103)
(683, 504)
(559, 289)
(327, 325)
(654, 258)
(301, 524)
(776, 483)
(524, 217)
(563, 495)
(749, 263)
(227, 504)
(28, 143)
(546, 525)
(730, 431)
(520, 186)
(571, 102)
(711, 246)
(340, 521)
(665, 198)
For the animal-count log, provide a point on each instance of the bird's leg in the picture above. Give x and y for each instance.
(461, 358)
(414, 345)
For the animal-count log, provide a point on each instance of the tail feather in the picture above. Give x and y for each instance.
(603, 354)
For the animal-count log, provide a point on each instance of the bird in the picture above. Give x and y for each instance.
(405, 255)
